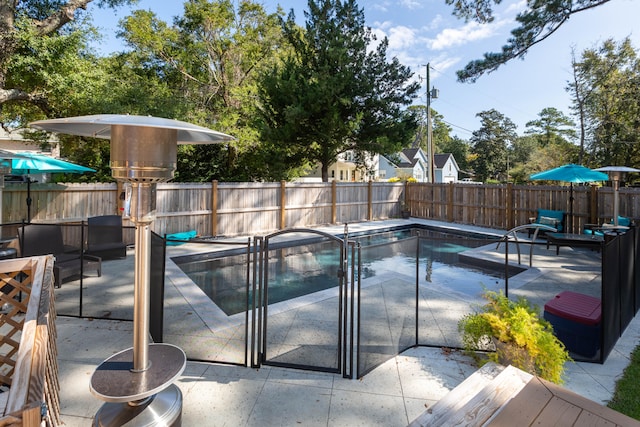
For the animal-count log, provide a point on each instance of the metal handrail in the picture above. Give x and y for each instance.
(512, 236)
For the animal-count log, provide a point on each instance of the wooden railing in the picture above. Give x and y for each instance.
(28, 358)
(228, 209)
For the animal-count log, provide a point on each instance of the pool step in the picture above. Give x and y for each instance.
(477, 398)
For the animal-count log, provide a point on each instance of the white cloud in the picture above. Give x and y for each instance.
(380, 7)
(401, 37)
(443, 63)
(382, 25)
(411, 4)
(434, 24)
(471, 31)
(516, 8)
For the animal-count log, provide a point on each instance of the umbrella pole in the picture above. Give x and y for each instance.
(1, 201)
(571, 208)
(28, 199)
(616, 201)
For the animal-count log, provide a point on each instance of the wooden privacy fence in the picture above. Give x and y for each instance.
(212, 209)
(505, 206)
(231, 209)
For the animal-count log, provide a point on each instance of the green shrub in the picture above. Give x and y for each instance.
(517, 334)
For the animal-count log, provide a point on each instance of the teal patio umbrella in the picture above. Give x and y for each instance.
(570, 173)
(30, 163)
(5, 169)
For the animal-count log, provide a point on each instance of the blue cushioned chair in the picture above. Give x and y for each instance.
(555, 219)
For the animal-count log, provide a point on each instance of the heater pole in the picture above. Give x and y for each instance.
(142, 287)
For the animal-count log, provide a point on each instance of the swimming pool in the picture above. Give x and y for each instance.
(299, 270)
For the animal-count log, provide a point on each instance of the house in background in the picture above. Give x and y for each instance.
(413, 163)
(409, 163)
(346, 169)
(15, 141)
(446, 169)
(386, 169)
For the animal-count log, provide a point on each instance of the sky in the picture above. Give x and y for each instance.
(422, 32)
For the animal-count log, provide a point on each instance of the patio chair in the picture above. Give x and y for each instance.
(550, 218)
(599, 230)
(44, 239)
(104, 237)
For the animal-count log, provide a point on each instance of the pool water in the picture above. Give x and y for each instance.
(302, 270)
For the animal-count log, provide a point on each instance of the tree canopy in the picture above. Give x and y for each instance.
(489, 144)
(537, 22)
(606, 95)
(552, 125)
(42, 56)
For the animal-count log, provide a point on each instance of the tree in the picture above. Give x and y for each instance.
(335, 91)
(538, 22)
(460, 150)
(606, 93)
(211, 56)
(551, 126)
(489, 143)
(528, 155)
(41, 46)
(440, 130)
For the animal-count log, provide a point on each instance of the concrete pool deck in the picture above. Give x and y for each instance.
(393, 394)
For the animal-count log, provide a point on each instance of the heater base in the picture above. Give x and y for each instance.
(162, 409)
(114, 381)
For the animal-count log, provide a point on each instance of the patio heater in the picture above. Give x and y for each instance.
(616, 174)
(137, 383)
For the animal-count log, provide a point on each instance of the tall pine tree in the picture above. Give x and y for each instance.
(335, 92)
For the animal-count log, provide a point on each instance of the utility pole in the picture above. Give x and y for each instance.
(431, 93)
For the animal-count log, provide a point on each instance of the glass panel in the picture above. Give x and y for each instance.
(302, 286)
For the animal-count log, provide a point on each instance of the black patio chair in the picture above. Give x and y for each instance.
(44, 239)
(104, 237)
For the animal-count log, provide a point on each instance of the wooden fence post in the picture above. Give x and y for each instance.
(120, 199)
(370, 201)
(214, 208)
(509, 208)
(450, 202)
(334, 197)
(283, 201)
(593, 205)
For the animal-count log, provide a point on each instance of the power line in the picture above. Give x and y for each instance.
(459, 127)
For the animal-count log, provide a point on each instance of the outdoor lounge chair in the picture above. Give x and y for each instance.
(599, 230)
(550, 218)
(44, 239)
(104, 237)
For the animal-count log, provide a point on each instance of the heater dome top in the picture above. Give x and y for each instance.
(99, 126)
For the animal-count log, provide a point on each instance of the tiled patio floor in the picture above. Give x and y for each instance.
(226, 395)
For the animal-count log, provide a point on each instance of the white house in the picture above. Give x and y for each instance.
(345, 169)
(413, 163)
(409, 163)
(446, 168)
(14, 141)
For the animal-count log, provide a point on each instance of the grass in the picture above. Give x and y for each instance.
(626, 398)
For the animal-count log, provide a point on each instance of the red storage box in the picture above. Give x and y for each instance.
(575, 319)
(576, 307)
